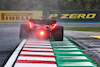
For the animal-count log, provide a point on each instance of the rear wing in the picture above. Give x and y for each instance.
(44, 22)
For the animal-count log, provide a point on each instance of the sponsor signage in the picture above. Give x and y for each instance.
(74, 16)
(60, 16)
(19, 16)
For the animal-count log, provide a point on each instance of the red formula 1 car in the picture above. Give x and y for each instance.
(42, 29)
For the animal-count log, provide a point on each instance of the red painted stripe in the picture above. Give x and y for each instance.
(36, 61)
(36, 55)
(38, 47)
(36, 51)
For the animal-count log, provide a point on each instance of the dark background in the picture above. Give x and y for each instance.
(49, 4)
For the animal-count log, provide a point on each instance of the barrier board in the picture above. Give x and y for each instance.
(19, 16)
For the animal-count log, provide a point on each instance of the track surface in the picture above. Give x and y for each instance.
(85, 39)
(9, 40)
(49, 54)
(34, 53)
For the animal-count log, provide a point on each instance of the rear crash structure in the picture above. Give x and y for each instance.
(41, 29)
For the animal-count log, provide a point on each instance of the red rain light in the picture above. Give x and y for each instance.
(41, 32)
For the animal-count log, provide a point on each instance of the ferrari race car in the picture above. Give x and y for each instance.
(41, 29)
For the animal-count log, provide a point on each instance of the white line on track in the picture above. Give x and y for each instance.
(34, 65)
(37, 49)
(38, 41)
(14, 55)
(37, 46)
(36, 58)
(65, 46)
(37, 53)
(66, 49)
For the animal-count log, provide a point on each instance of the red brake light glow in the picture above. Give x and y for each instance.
(41, 32)
(54, 26)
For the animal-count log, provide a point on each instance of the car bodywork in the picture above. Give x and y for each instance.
(41, 29)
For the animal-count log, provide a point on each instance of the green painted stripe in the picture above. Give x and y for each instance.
(67, 54)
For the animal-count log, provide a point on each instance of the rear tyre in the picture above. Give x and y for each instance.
(24, 34)
(57, 34)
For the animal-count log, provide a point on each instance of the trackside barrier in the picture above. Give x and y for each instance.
(19, 16)
(72, 15)
(59, 15)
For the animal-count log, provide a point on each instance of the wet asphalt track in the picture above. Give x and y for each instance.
(9, 39)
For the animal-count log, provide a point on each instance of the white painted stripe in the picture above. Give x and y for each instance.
(66, 49)
(75, 57)
(34, 65)
(14, 55)
(37, 46)
(38, 41)
(37, 53)
(37, 49)
(75, 64)
(71, 52)
(65, 46)
(36, 58)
